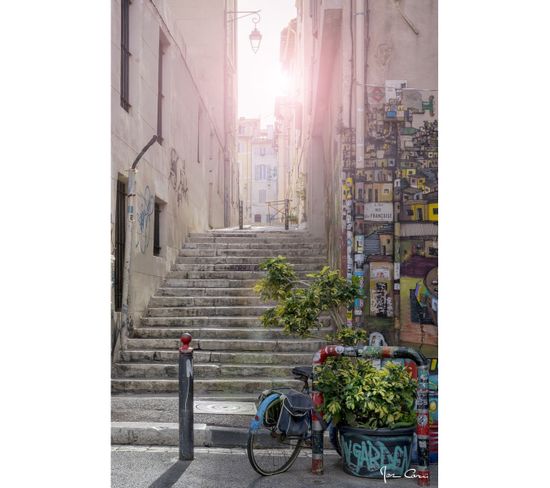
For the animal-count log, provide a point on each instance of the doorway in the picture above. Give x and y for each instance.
(120, 241)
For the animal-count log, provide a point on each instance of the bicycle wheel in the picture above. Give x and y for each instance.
(270, 452)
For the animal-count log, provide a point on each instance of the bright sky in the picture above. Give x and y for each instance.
(260, 76)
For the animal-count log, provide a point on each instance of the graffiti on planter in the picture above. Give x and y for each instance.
(374, 455)
(145, 208)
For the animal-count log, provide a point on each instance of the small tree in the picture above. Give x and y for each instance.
(300, 303)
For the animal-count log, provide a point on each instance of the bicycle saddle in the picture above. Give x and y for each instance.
(305, 371)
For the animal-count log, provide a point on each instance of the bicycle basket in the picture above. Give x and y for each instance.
(294, 420)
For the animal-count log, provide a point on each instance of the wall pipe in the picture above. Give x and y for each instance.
(127, 325)
(359, 82)
(376, 352)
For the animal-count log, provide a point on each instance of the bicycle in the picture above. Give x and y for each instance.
(272, 448)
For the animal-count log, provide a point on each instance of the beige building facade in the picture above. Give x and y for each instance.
(173, 76)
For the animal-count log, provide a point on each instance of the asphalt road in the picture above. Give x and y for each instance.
(228, 468)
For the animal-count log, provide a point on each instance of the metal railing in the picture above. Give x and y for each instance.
(278, 211)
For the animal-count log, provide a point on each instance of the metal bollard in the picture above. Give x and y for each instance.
(186, 443)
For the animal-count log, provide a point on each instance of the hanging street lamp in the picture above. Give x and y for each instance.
(255, 36)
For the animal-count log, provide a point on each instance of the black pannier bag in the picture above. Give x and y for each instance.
(294, 419)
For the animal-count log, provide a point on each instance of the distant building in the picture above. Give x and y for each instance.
(247, 130)
(264, 179)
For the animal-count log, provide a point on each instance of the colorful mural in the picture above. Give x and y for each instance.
(391, 213)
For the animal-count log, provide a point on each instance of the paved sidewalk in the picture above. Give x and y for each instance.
(158, 467)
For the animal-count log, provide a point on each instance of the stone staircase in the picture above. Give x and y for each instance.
(209, 294)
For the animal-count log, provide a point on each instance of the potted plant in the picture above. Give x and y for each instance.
(374, 409)
(375, 413)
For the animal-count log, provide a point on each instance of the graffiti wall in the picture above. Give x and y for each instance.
(390, 214)
(380, 287)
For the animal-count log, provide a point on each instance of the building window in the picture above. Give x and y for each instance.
(257, 218)
(369, 198)
(156, 232)
(435, 211)
(262, 151)
(260, 172)
(262, 196)
(125, 56)
(163, 46)
(376, 194)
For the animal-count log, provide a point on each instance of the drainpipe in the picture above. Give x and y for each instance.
(359, 84)
(127, 326)
(359, 117)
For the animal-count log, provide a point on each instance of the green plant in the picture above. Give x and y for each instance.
(300, 303)
(348, 336)
(356, 393)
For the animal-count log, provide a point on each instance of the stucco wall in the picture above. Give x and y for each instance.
(185, 172)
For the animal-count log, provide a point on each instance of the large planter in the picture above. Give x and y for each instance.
(365, 451)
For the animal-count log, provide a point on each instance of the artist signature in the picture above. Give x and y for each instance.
(410, 473)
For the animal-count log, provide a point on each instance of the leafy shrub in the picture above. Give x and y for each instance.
(348, 337)
(358, 394)
(299, 303)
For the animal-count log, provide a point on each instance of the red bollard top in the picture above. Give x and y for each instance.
(185, 340)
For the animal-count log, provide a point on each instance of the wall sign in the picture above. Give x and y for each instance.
(379, 212)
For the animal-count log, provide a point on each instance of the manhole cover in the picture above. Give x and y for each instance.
(227, 408)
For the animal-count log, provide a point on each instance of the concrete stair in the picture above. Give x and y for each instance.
(209, 293)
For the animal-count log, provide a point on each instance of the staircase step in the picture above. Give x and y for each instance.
(308, 267)
(203, 370)
(239, 357)
(209, 283)
(311, 259)
(203, 386)
(178, 291)
(252, 276)
(233, 244)
(207, 311)
(254, 232)
(258, 333)
(183, 322)
(270, 345)
(257, 241)
(213, 301)
(266, 253)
